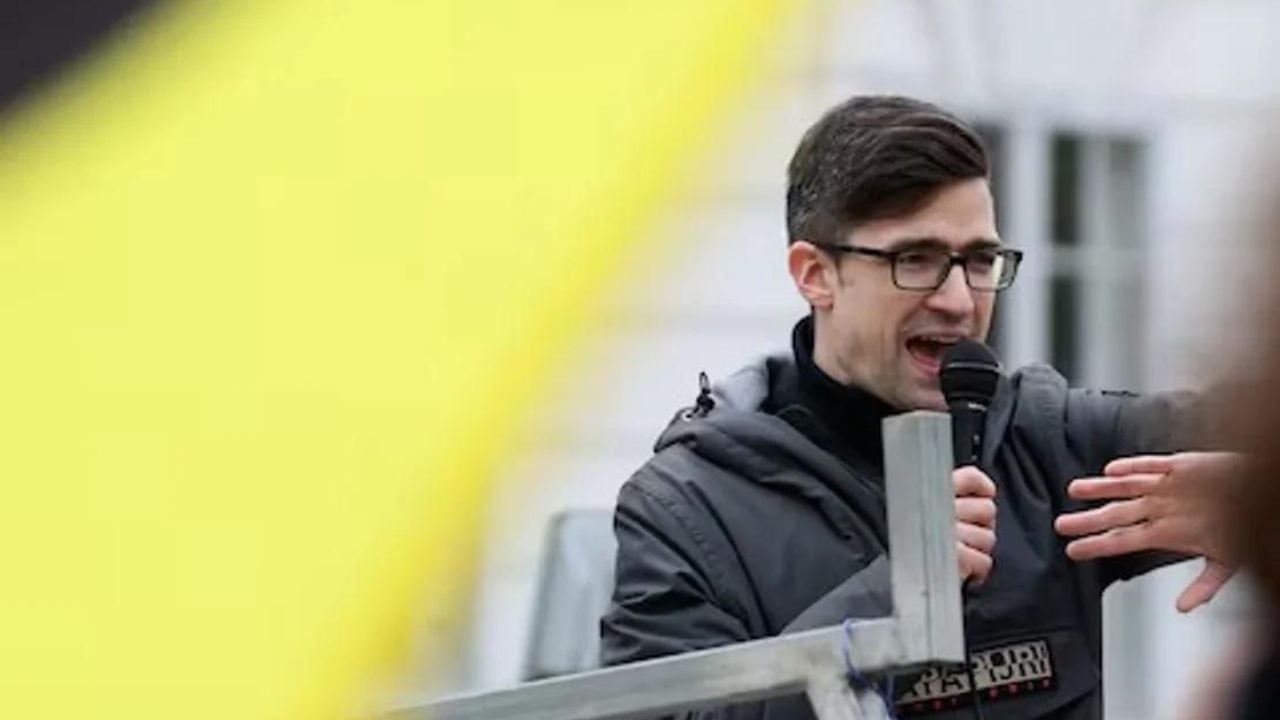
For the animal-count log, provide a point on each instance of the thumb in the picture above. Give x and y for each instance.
(1205, 586)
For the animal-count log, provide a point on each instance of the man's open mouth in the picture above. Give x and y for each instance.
(927, 350)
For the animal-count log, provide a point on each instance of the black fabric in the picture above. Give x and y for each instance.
(1260, 696)
(40, 37)
(841, 419)
(743, 527)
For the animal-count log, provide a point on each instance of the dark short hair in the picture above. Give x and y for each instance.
(875, 157)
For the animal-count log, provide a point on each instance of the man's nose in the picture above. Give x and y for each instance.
(954, 296)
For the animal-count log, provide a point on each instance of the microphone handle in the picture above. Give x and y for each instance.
(968, 424)
(968, 421)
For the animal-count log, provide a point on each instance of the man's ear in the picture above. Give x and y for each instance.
(814, 274)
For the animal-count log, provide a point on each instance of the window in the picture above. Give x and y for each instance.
(1096, 283)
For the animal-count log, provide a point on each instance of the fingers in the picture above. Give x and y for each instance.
(1205, 586)
(978, 538)
(1163, 464)
(1113, 488)
(1110, 516)
(977, 511)
(972, 482)
(1140, 464)
(975, 523)
(975, 566)
(1123, 540)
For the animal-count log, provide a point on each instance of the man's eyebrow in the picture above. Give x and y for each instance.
(983, 243)
(933, 243)
(917, 243)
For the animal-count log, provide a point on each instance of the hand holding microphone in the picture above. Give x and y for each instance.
(969, 375)
(975, 523)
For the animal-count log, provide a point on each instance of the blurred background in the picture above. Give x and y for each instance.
(332, 330)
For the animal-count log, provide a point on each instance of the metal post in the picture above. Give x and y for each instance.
(921, 504)
(926, 626)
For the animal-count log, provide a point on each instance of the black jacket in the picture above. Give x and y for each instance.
(741, 528)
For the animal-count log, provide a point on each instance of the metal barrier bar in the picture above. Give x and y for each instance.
(926, 627)
(921, 511)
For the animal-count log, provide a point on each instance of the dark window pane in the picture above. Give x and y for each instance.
(1064, 325)
(993, 138)
(1064, 160)
(1126, 161)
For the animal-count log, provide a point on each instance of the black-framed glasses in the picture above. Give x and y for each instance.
(926, 268)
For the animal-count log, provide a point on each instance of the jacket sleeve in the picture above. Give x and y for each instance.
(865, 594)
(1103, 426)
(665, 598)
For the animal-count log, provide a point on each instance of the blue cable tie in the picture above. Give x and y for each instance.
(860, 682)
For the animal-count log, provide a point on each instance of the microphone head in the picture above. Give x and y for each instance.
(969, 373)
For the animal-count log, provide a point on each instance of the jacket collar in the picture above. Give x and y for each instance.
(733, 425)
(841, 418)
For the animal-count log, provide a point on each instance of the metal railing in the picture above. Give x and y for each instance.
(926, 626)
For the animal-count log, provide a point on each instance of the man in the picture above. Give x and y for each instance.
(762, 511)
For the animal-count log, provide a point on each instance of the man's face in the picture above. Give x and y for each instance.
(890, 341)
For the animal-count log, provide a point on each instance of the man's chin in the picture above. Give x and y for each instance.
(922, 389)
(928, 399)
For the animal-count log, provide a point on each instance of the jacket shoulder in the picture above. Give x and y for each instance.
(1038, 401)
(665, 521)
(1091, 427)
(670, 471)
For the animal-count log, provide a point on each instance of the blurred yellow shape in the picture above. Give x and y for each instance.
(277, 280)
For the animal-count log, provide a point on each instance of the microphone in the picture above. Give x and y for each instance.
(969, 374)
